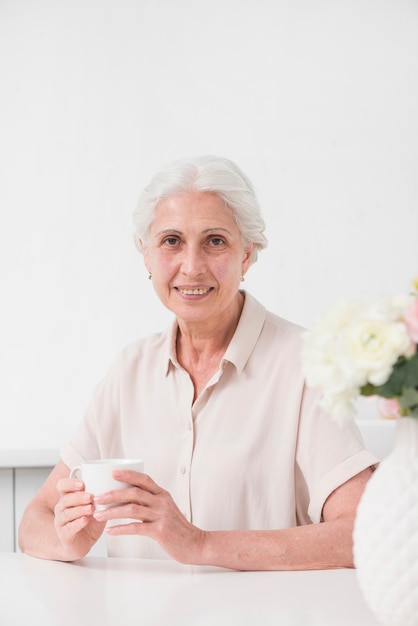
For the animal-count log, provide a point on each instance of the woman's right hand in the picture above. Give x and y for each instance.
(76, 528)
(58, 522)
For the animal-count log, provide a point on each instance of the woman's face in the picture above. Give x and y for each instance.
(196, 256)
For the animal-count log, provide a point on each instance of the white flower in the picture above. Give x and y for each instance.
(353, 345)
(372, 344)
(322, 348)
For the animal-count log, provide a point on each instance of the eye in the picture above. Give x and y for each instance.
(171, 241)
(216, 242)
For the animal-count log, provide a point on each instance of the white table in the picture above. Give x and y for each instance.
(104, 591)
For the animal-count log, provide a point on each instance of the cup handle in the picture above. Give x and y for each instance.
(74, 471)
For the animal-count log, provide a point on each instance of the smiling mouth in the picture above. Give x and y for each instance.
(198, 291)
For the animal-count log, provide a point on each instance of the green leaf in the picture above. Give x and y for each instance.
(404, 374)
(408, 398)
(396, 381)
(368, 390)
(411, 372)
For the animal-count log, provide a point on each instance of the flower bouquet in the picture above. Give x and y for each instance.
(371, 350)
(366, 350)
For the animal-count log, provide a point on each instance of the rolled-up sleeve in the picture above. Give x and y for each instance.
(328, 455)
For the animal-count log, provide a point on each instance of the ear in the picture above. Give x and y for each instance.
(248, 257)
(144, 251)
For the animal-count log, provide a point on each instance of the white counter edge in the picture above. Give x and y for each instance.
(28, 458)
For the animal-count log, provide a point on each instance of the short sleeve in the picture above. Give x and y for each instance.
(328, 454)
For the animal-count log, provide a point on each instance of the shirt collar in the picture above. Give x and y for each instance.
(242, 343)
(246, 333)
(170, 357)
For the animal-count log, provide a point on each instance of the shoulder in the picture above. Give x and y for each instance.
(142, 355)
(155, 341)
(151, 349)
(274, 326)
(281, 342)
(283, 325)
(254, 308)
(277, 341)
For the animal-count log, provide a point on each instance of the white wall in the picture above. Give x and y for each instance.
(316, 100)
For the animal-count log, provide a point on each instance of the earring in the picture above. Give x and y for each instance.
(242, 278)
(149, 276)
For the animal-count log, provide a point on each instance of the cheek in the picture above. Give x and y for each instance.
(162, 267)
(230, 271)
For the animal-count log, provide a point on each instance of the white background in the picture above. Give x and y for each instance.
(316, 100)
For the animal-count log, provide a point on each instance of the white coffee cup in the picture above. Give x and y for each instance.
(97, 475)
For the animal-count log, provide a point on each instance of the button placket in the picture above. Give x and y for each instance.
(186, 447)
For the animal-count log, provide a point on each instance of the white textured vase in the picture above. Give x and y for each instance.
(386, 532)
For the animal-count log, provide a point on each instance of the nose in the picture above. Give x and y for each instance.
(193, 262)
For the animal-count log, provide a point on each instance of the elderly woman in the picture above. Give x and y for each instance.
(244, 469)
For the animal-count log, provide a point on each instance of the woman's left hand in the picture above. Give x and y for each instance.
(156, 513)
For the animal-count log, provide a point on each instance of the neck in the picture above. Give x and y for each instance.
(206, 342)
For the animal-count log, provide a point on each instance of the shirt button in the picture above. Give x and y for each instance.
(183, 469)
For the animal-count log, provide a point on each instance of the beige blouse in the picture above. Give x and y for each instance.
(254, 451)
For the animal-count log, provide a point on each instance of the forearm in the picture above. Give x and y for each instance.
(314, 546)
(37, 535)
(317, 546)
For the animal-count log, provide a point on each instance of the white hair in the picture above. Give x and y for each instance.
(204, 173)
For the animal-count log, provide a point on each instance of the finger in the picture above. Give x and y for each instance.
(65, 514)
(133, 495)
(67, 485)
(71, 528)
(75, 499)
(134, 528)
(138, 479)
(126, 511)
